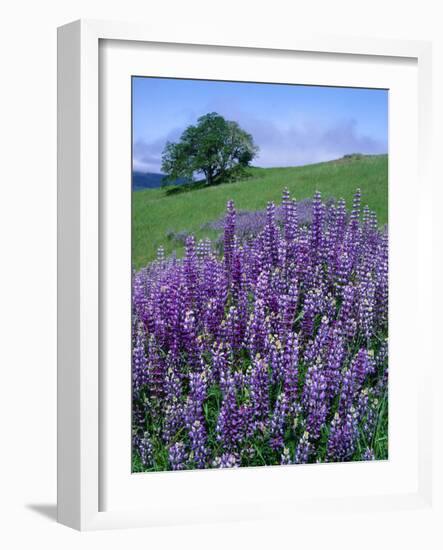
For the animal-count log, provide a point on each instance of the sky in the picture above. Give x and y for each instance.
(292, 125)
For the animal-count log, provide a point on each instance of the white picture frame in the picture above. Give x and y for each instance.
(83, 205)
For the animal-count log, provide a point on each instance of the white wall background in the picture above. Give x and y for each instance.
(28, 258)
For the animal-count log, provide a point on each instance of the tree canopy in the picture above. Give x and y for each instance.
(214, 147)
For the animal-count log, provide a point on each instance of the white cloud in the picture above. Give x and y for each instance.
(293, 143)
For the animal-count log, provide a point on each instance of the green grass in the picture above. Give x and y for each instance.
(155, 212)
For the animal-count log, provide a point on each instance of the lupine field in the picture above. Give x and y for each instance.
(268, 347)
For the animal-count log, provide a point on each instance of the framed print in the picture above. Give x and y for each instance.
(238, 243)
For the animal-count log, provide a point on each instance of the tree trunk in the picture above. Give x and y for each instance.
(209, 177)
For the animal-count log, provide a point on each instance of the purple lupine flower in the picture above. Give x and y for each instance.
(315, 350)
(302, 256)
(309, 311)
(270, 236)
(290, 219)
(139, 362)
(144, 447)
(174, 420)
(366, 306)
(285, 205)
(278, 421)
(382, 282)
(363, 365)
(287, 307)
(262, 289)
(237, 268)
(381, 366)
(303, 450)
(226, 460)
(141, 409)
(340, 220)
(234, 329)
(334, 361)
(196, 397)
(198, 441)
(229, 235)
(353, 234)
(368, 454)
(317, 233)
(356, 207)
(204, 250)
(246, 422)
(243, 312)
(190, 270)
(274, 356)
(343, 436)
(259, 390)
(382, 356)
(173, 379)
(315, 400)
(177, 456)
(173, 410)
(161, 256)
(228, 423)
(346, 318)
(369, 422)
(191, 338)
(343, 267)
(353, 380)
(290, 375)
(285, 458)
(256, 328)
(362, 404)
(156, 366)
(219, 353)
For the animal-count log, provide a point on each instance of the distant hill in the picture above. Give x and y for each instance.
(149, 180)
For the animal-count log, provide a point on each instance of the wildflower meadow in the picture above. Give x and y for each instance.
(266, 347)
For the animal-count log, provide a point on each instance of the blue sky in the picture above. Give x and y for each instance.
(292, 125)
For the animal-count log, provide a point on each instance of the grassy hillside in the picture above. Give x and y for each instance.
(155, 213)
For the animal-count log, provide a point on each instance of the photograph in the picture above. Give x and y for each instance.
(260, 276)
